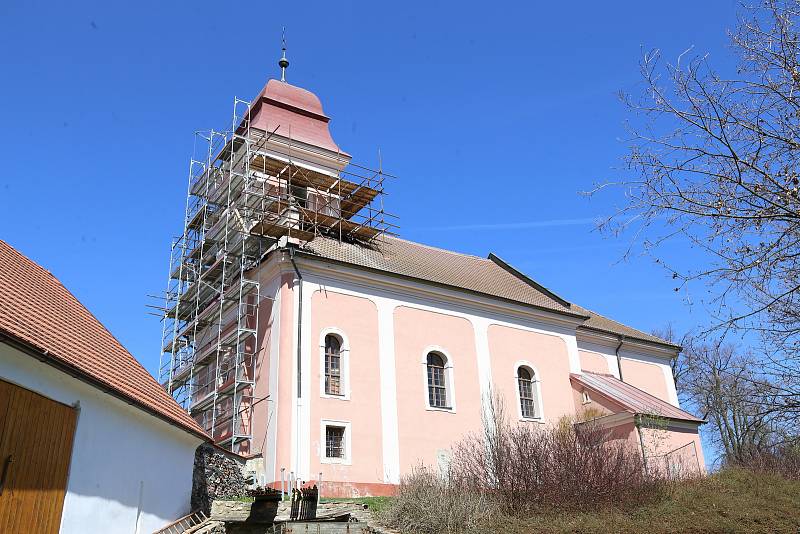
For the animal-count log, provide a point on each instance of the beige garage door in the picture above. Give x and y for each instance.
(35, 449)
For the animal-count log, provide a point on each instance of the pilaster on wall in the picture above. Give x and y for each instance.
(270, 452)
(389, 426)
(386, 302)
(480, 325)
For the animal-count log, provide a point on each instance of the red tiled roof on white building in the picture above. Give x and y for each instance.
(37, 311)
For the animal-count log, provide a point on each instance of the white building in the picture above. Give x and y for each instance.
(89, 442)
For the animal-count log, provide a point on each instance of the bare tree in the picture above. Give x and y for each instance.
(724, 384)
(715, 165)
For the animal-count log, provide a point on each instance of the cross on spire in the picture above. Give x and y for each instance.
(283, 63)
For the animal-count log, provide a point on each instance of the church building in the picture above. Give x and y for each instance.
(301, 332)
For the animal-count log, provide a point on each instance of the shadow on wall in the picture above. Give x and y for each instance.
(127, 467)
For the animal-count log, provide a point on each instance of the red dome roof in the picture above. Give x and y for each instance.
(295, 112)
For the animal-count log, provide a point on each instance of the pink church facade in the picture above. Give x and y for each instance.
(387, 326)
(368, 358)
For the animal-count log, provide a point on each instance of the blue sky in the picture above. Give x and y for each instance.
(494, 116)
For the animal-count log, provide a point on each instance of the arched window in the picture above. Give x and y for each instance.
(333, 365)
(525, 383)
(437, 381)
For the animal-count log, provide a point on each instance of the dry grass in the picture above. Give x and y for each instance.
(427, 504)
(733, 500)
(572, 478)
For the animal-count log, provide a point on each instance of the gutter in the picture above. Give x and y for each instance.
(619, 358)
(299, 320)
(46, 357)
(299, 354)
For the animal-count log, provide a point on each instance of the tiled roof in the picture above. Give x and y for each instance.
(406, 258)
(38, 311)
(604, 324)
(489, 276)
(633, 399)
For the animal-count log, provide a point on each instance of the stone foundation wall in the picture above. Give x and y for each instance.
(217, 475)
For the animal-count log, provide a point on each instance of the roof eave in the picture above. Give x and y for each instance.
(46, 357)
(577, 378)
(637, 339)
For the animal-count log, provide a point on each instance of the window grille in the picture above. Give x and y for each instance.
(334, 442)
(525, 381)
(333, 365)
(437, 386)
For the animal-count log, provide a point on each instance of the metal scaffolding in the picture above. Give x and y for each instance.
(246, 196)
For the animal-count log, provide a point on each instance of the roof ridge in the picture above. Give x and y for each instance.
(527, 279)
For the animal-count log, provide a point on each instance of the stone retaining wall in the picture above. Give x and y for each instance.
(217, 475)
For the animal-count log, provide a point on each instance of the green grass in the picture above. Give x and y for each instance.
(730, 501)
(375, 504)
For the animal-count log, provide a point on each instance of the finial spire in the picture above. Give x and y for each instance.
(283, 63)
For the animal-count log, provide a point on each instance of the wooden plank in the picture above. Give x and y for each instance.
(38, 433)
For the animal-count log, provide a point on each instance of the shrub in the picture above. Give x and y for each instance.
(569, 465)
(519, 470)
(428, 503)
(782, 461)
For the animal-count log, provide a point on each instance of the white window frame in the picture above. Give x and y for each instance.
(344, 364)
(537, 392)
(348, 440)
(449, 382)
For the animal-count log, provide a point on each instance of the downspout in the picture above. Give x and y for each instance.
(299, 353)
(299, 321)
(619, 359)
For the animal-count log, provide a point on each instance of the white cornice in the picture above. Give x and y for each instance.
(608, 339)
(400, 286)
(315, 158)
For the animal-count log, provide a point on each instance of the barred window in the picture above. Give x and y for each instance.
(437, 381)
(333, 365)
(525, 382)
(334, 442)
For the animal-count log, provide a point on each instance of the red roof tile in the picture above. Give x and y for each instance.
(37, 310)
(294, 113)
(633, 399)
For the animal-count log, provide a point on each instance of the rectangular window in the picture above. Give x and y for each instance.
(437, 392)
(334, 442)
(526, 399)
(333, 373)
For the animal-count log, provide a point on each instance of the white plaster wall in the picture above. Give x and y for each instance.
(130, 472)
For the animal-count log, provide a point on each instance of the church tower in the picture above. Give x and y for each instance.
(274, 179)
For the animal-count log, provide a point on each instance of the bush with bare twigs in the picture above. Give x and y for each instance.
(570, 465)
(428, 503)
(781, 461)
(518, 470)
